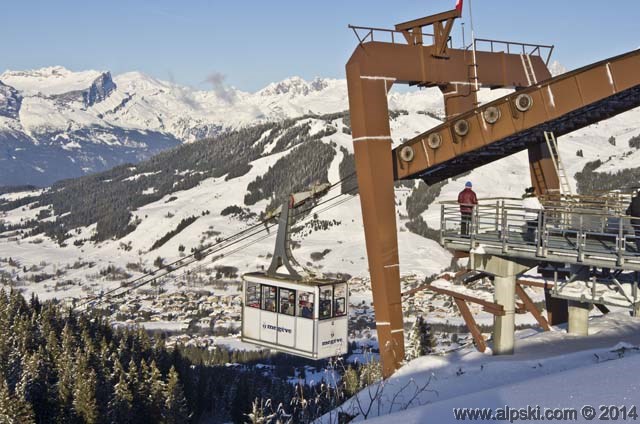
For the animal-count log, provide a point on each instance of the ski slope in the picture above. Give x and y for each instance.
(552, 369)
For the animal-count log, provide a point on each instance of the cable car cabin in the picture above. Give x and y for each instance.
(304, 318)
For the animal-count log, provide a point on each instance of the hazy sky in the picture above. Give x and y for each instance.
(256, 42)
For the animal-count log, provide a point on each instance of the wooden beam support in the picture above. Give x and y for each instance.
(542, 285)
(528, 303)
(481, 344)
(488, 306)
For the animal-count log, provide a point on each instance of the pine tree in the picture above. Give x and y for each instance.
(7, 406)
(84, 393)
(24, 412)
(121, 404)
(421, 340)
(14, 410)
(68, 340)
(66, 369)
(176, 410)
(13, 367)
(32, 387)
(156, 393)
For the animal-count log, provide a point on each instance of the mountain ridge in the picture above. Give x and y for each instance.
(56, 123)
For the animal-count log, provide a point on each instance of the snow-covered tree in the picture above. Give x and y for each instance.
(84, 393)
(176, 410)
(121, 404)
(14, 409)
(421, 341)
(155, 392)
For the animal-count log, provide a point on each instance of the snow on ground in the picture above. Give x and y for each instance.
(551, 369)
(164, 325)
(234, 343)
(20, 194)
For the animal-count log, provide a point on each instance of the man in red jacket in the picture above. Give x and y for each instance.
(467, 199)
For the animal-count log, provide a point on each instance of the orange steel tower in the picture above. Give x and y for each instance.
(471, 135)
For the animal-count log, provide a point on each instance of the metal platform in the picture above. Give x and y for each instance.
(599, 244)
(502, 227)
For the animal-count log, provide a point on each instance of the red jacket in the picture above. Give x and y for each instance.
(465, 198)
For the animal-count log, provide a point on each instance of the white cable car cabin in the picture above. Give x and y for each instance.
(292, 313)
(305, 318)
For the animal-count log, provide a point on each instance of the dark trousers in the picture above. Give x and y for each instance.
(531, 230)
(465, 220)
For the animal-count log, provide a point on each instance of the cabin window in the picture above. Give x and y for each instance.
(305, 305)
(340, 300)
(326, 300)
(253, 295)
(287, 302)
(269, 298)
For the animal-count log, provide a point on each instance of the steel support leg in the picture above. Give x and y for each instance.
(374, 166)
(544, 176)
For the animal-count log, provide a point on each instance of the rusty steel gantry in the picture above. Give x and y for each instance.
(470, 137)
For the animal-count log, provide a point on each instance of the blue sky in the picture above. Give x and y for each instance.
(256, 42)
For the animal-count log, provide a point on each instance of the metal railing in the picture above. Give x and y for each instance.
(368, 34)
(509, 47)
(600, 237)
(615, 202)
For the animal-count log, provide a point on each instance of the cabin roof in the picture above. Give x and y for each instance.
(281, 278)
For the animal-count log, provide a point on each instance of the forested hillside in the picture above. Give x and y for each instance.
(57, 366)
(108, 198)
(606, 174)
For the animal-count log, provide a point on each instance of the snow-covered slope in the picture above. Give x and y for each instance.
(552, 370)
(344, 237)
(161, 214)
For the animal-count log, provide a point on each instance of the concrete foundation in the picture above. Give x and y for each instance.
(504, 326)
(504, 272)
(578, 318)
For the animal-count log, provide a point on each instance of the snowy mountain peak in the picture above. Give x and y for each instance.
(52, 81)
(294, 86)
(135, 80)
(46, 72)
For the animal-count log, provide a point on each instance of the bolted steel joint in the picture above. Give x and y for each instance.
(524, 102)
(407, 154)
(434, 140)
(491, 115)
(461, 127)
